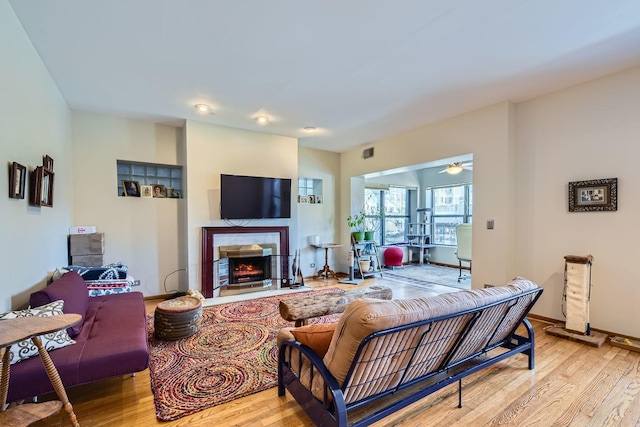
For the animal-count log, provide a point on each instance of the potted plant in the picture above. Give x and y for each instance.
(372, 224)
(356, 222)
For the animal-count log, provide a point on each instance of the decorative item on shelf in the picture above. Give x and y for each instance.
(146, 191)
(169, 192)
(593, 195)
(17, 179)
(357, 221)
(41, 193)
(303, 199)
(158, 191)
(318, 200)
(131, 188)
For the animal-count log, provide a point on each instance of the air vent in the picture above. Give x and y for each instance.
(368, 153)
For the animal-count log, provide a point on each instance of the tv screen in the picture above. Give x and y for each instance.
(253, 197)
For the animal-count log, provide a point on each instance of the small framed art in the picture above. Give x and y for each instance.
(17, 179)
(146, 191)
(594, 195)
(47, 162)
(131, 188)
(158, 191)
(41, 193)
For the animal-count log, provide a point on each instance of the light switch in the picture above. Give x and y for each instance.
(490, 224)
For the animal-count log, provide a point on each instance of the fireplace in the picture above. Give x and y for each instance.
(216, 274)
(247, 266)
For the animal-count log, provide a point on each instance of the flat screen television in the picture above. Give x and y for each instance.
(254, 197)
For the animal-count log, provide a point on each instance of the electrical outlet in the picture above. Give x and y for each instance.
(136, 283)
(312, 265)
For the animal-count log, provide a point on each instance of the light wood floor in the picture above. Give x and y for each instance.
(572, 385)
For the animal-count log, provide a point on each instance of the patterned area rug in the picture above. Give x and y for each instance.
(428, 274)
(232, 356)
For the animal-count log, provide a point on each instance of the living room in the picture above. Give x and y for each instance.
(524, 153)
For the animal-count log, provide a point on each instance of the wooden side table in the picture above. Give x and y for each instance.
(19, 329)
(326, 272)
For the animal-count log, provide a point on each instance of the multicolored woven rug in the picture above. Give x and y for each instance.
(232, 356)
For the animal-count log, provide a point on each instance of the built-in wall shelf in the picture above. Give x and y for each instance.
(310, 190)
(165, 180)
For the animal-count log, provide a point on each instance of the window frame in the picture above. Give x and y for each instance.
(466, 217)
(380, 234)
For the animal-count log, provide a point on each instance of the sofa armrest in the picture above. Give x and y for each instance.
(72, 289)
(305, 375)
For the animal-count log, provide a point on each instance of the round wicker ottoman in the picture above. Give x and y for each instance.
(177, 318)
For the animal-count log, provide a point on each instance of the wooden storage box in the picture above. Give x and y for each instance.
(86, 244)
(87, 260)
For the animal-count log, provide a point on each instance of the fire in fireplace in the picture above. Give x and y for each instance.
(252, 270)
(247, 266)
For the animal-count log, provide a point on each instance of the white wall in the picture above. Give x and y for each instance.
(319, 219)
(145, 234)
(486, 133)
(34, 121)
(212, 150)
(586, 132)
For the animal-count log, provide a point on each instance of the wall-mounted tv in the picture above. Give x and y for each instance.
(254, 197)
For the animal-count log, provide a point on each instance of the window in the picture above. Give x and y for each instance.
(387, 213)
(451, 206)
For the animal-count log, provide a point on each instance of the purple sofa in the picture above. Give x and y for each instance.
(111, 339)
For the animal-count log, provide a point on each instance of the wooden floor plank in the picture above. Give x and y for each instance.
(573, 385)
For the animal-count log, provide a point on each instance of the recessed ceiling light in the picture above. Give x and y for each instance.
(262, 120)
(310, 129)
(203, 108)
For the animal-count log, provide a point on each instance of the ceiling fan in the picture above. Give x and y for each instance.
(457, 167)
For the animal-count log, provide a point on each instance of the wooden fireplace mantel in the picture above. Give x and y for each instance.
(208, 244)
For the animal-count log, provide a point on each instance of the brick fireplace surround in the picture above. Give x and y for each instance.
(209, 244)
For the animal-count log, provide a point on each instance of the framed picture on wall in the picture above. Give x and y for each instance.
(17, 179)
(47, 162)
(593, 195)
(41, 193)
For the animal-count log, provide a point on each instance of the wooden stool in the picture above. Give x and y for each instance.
(177, 318)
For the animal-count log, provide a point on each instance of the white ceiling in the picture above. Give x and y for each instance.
(358, 70)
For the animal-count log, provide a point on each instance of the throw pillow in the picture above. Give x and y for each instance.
(25, 349)
(317, 337)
